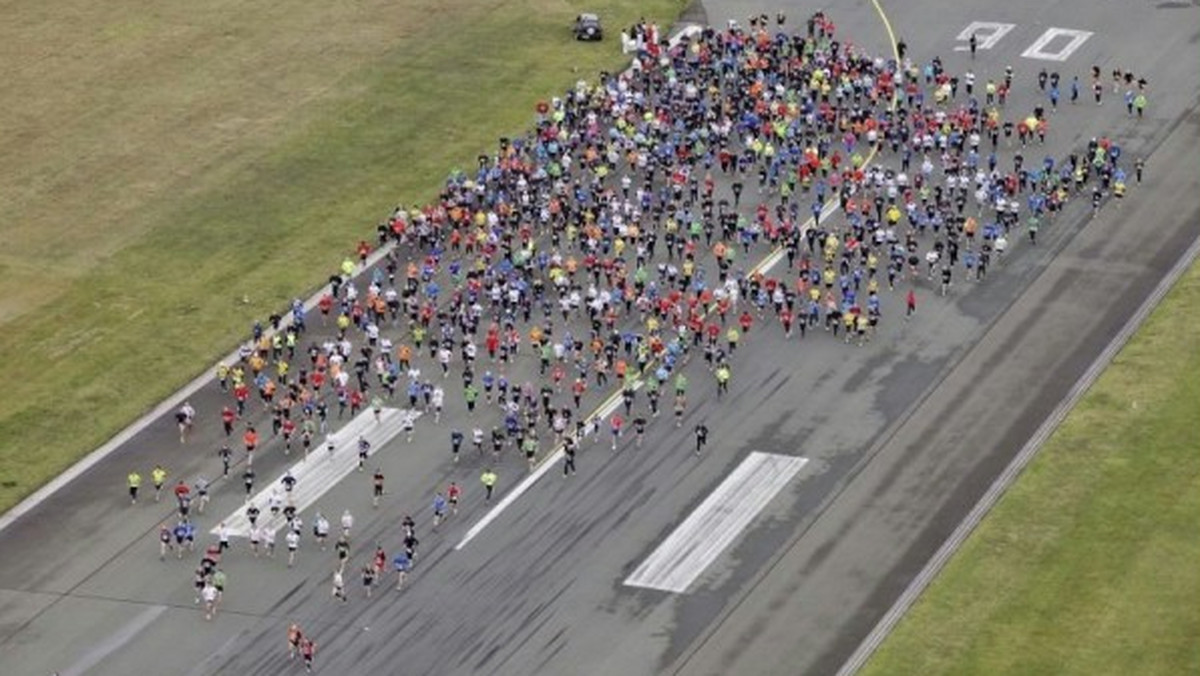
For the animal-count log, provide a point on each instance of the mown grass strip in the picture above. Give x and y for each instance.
(1087, 565)
(272, 224)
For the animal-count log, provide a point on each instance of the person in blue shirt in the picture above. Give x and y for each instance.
(439, 508)
(402, 565)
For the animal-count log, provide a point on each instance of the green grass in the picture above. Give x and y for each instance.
(1090, 563)
(163, 161)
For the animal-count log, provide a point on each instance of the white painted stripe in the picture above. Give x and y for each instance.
(322, 471)
(530, 479)
(714, 525)
(98, 652)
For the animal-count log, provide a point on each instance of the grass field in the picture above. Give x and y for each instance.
(163, 160)
(1089, 563)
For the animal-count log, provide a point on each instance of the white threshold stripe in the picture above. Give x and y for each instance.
(322, 471)
(716, 523)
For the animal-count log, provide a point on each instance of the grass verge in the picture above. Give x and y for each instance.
(1088, 564)
(217, 150)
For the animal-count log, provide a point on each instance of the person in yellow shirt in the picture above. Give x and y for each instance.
(158, 476)
(135, 482)
(488, 479)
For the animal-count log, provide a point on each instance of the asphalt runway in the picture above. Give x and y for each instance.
(902, 436)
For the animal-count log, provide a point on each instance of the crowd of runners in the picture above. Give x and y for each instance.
(746, 182)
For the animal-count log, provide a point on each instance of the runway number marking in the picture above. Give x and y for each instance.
(716, 523)
(989, 33)
(321, 471)
(1075, 40)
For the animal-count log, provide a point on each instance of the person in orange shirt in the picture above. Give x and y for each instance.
(250, 441)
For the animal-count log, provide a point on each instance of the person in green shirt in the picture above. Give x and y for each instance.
(723, 374)
(471, 393)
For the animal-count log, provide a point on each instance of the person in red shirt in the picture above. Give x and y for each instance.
(241, 394)
(746, 321)
(453, 492)
(325, 304)
(308, 649)
(616, 423)
(228, 416)
(288, 429)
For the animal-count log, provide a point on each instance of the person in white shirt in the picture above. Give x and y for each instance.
(269, 541)
(437, 399)
(293, 543)
(339, 586)
(209, 595)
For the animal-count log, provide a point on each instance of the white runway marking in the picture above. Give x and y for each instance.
(1037, 50)
(987, 34)
(321, 471)
(530, 479)
(710, 529)
(97, 653)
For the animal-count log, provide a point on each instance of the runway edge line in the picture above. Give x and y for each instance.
(921, 582)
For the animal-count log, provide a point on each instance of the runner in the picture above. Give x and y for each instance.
(201, 486)
(569, 450)
(294, 636)
(377, 487)
(134, 481)
(320, 529)
(339, 585)
(158, 476)
(342, 549)
(701, 436)
(488, 479)
(402, 564)
(368, 579)
(439, 509)
(452, 495)
(308, 650)
(184, 418)
(292, 538)
(364, 449)
(164, 542)
(226, 456)
(208, 594)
